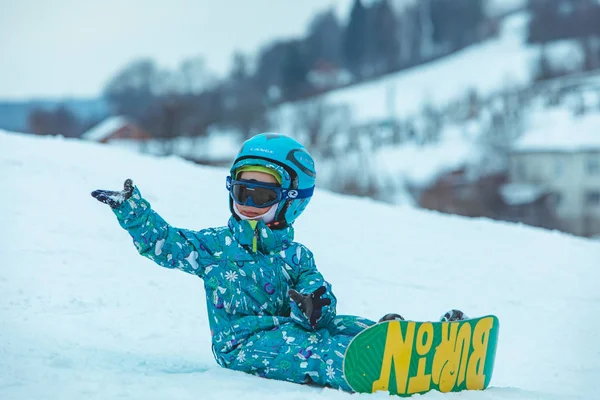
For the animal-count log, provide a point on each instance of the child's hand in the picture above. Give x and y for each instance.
(311, 304)
(112, 198)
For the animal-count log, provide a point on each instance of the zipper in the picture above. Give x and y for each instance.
(253, 224)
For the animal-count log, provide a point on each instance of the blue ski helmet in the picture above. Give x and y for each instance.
(293, 163)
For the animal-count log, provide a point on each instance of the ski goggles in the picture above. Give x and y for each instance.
(260, 194)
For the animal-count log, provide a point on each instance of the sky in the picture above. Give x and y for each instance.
(71, 48)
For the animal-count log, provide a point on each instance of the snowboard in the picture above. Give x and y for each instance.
(409, 357)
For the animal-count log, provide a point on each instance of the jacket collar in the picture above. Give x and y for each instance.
(268, 241)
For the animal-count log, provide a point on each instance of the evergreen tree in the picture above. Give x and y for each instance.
(383, 38)
(294, 71)
(239, 70)
(270, 65)
(355, 46)
(456, 22)
(544, 19)
(565, 19)
(243, 99)
(324, 40)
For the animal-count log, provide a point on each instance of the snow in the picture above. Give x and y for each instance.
(104, 128)
(216, 146)
(566, 55)
(558, 130)
(486, 67)
(499, 7)
(422, 164)
(521, 193)
(393, 169)
(84, 316)
(504, 62)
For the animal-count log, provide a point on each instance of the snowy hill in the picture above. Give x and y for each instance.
(405, 130)
(84, 316)
(495, 64)
(503, 62)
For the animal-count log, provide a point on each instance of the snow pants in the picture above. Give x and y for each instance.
(289, 352)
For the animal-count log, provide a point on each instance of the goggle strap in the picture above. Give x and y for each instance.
(297, 193)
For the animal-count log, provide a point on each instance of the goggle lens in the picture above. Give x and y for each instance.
(258, 196)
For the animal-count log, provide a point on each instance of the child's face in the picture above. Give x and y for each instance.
(253, 212)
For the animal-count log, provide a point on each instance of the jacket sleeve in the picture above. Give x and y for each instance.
(307, 281)
(169, 247)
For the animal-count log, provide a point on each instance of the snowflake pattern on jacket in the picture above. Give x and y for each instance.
(248, 269)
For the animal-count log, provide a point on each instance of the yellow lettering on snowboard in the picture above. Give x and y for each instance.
(449, 365)
(421, 382)
(481, 336)
(399, 350)
(459, 358)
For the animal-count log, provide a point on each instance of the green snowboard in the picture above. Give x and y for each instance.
(408, 357)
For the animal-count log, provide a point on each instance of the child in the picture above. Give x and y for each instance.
(271, 313)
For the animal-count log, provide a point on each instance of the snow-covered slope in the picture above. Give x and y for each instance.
(558, 130)
(501, 63)
(487, 67)
(84, 316)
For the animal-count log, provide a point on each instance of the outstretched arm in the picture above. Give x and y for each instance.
(154, 238)
(313, 304)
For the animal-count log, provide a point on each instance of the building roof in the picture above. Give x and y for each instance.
(561, 132)
(105, 128)
(515, 194)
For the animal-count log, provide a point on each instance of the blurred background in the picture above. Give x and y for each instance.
(482, 108)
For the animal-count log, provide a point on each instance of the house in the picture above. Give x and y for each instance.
(562, 158)
(455, 192)
(115, 127)
(489, 196)
(529, 204)
(218, 147)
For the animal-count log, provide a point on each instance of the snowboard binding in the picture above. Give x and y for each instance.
(450, 316)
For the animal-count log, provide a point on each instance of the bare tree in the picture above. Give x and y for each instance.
(59, 121)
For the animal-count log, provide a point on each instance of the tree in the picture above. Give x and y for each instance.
(243, 99)
(324, 40)
(383, 39)
(60, 121)
(201, 111)
(407, 29)
(456, 22)
(544, 20)
(239, 70)
(133, 90)
(270, 65)
(192, 77)
(354, 44)
(294, 82)
(425, 30)
(166, 103)
(566, 19)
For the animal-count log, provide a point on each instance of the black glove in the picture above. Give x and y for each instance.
(112, 198)
(311, 304)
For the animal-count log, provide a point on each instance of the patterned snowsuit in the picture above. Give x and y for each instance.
(247, 272)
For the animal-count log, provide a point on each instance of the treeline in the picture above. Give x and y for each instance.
(377, 39)
(553, 20)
